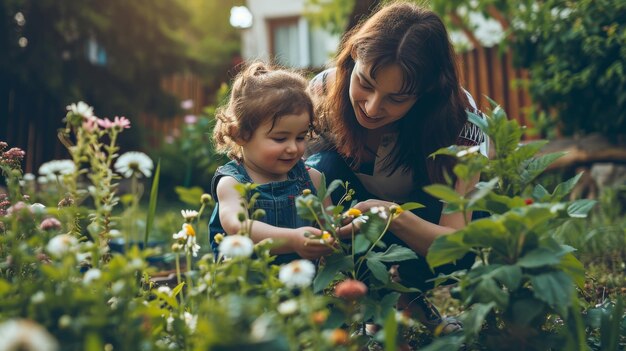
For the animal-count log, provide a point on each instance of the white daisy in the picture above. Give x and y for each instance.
(61, 244)
(134, 162)
(288, 307)
(81, 109)
(189, 215)
(236, 246)
(91, 275)
(23, 334)
(297, 273)
(191, 321)
(54, 168)
(187, 237)
(380, 210)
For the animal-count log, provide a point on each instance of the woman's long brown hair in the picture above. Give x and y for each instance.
(415, 39)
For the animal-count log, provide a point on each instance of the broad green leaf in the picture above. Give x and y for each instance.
(565, 188)
(361, 244)
(539, 257)
(509, 275)
(477, 120)
(373, 228)
(321, 188)
(328, 272)
(190, 196)
(154, 195)
(395, 253)
(580, 208)
(332, 187)
(574, 268)
(387, 305)
(484, 188)
(409, 206)
(554, 288)
(526, 309)
(538, 165)
(391, 332)
(5, 286)
(447, 249)
(473, 319)
(401, 288)
(484, 232)
(444, 193)
(379, 270)
(540, 193)
(487, 290)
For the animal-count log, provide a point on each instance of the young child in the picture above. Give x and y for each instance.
(263, 129)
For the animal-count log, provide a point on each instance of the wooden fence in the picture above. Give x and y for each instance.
(30, 122)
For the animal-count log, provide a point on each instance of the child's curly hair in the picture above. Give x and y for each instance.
(259, 92)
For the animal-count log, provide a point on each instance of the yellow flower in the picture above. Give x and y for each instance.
(306, 192)
(189, 230)
(326, 236)
(353, 212)
(395, 210)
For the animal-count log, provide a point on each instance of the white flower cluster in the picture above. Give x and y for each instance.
(52, 169)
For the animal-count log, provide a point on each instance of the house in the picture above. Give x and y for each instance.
(281, 32)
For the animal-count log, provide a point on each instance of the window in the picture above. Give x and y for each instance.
(294, 43)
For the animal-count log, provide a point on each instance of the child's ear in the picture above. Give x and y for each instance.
(234, 131)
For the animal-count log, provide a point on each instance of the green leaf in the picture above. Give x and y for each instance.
(447, 249)
(321, 189)
(525, 310)
(484, 188)
(444, 193)
(487, 290)
(574, 268)
(565, 188)
(5, 287)
(477, 120)
(554, 288)
(445, 343)
(408, 206)
(509, 275)
(473, 319)
(379, 270)
(154, 195)
(401, 288)
(391, 332)
(540, 193)
(580, 208)
(190, 196)
(395, 253)
(333, 186)
(334, 265)
(373, 228)
(361, 244)
(538, 165)
(539, 257)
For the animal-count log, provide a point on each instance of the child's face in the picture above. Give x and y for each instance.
(272, 152)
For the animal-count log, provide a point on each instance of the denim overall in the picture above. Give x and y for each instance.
(276, 198)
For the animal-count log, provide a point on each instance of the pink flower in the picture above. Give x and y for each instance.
(350, 289)
(191, 119)
(186, 104)
(50, 224)
(91, 123)
(117, 122)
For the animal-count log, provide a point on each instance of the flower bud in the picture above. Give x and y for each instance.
(306, 192)
(339, 337)
(241, 216)
(206, 199)
(350, 290)
(528, 201)
(176, 247)
(258, 214)
(218, 238)
(50, 224)
(319, 317)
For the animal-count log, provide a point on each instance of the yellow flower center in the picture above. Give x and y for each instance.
(353, 212)
(326, 235)
(189, 230)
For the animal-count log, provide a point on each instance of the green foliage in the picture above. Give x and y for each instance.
(523, 276)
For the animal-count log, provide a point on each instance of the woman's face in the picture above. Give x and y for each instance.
(378, 102)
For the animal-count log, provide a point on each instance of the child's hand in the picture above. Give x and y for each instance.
(309, 248)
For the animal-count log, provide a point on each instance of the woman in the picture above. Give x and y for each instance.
(391, 100)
